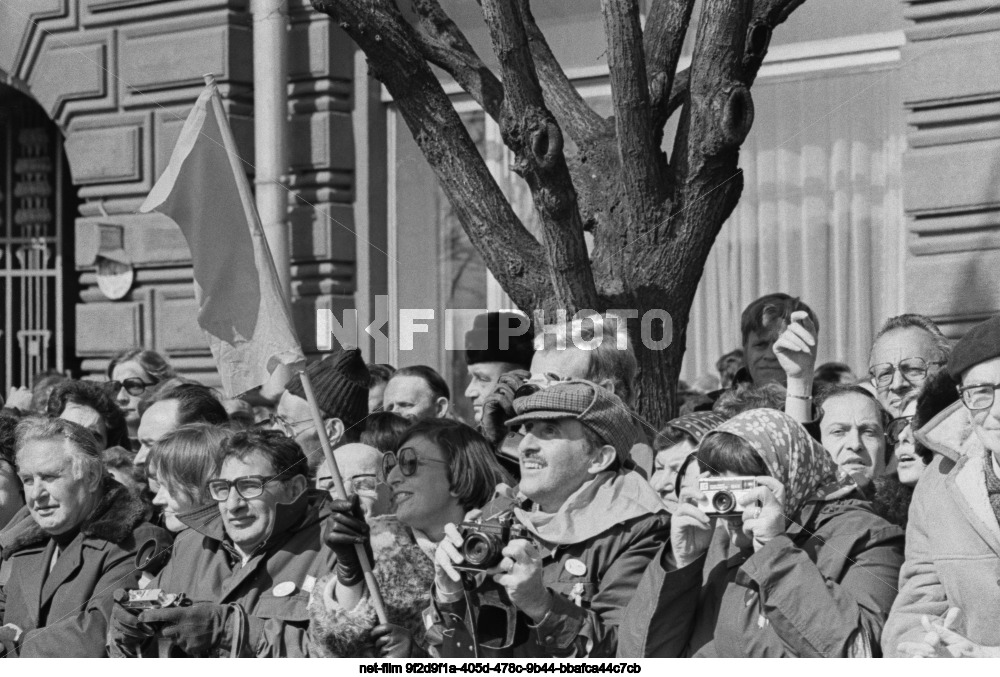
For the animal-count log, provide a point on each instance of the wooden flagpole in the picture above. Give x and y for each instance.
(338, 483)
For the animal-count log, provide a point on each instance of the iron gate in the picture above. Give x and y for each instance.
(31, 242)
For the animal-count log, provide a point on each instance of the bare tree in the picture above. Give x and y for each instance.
(653, 218)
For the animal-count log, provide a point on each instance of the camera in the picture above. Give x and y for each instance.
(722, 495)
(483, 541)
(152, 598)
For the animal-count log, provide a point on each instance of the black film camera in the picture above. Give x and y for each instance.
(483, 541)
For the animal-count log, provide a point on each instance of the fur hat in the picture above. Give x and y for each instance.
(340, 382)
(485, 341)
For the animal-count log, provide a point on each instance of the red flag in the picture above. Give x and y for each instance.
(205, 191)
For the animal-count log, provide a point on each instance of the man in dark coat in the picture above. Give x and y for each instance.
(75, 541)
(589, 527)
(247, 565)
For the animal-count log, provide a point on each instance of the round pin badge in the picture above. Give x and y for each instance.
(283, 589)
(575, 567)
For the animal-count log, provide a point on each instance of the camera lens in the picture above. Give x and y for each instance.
(723, 501)
(480, 550)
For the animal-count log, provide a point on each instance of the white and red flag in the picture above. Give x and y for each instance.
(242, 309)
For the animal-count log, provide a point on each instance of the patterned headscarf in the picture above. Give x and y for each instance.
(791, 455)
(697, 424)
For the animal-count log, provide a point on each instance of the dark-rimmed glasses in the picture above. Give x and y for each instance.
(133, 386)
(978, 396)
(913, 369)
(407, 460)
(247, 487)
(896, 428)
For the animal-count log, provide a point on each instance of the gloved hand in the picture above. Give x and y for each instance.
(126, 634)
(347, 528)
(10, 636)
(197, 630)
(498, 406)
(392, 641)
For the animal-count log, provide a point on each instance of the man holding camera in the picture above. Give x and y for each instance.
(583, 527)
(248, 565)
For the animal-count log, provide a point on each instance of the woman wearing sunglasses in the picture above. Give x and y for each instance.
(180, 464)
(441, 470)
(131, 372)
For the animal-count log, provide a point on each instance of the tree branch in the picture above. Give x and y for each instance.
(666, 26)
(767, 14)
(531, 131)
(391, 45)
(443, 44)
(640, 157)
(577, 118)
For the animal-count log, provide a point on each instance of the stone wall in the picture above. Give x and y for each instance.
(119, 77)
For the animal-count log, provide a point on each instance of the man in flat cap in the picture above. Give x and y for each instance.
(588, 529)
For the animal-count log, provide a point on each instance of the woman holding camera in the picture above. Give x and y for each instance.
(815, 572)
(441, 470)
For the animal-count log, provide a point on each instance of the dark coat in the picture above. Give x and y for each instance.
(588, 608)
(822, 589)
(404, 574)
(64, 613)
(207, 568)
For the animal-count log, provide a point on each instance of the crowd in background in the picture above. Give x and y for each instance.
(789, 510)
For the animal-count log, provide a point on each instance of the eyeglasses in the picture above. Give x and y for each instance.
(280, 424)
(359, 484)
(913, 369)
(407, 460)
(978, 396)
(133, 386)
(896, 428)
(247, 487)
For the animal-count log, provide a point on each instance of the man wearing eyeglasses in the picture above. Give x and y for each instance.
(908, 350)
(949, 586)
(248, 566)
(359, 467)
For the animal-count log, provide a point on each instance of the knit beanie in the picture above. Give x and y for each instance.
(980, 344)
(340, 383)
(483, 341)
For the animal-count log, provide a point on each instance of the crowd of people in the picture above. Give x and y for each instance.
(796, 510)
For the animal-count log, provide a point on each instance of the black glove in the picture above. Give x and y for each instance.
(392, 641)
(10, 635)
(347, 528)
(126, 634)
(197, 630)
(498, 406)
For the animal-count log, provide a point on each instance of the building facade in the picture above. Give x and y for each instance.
(869, 177)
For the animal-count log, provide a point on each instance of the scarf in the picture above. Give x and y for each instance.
(792, 457)
(601, 503)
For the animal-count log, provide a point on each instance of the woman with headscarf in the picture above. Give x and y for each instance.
(815, 569)
(672, 447)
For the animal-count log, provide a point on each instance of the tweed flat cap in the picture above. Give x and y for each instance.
(598, 409)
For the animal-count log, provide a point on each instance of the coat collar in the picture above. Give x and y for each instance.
(966, 483)
(117, 514)
(949, 433)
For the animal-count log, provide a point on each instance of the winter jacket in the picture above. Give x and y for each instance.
(404, 574)
(64, 612)
(591, 583)
(824, 588)
(272, 588)
(952, 540)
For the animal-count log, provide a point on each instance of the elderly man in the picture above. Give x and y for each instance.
(417, 392)
(175, 403)
(587, 530)
(496, 344)
(249, 566)
(340, 383)
(907, 350)
(76, 542)
(359, 467)
(584, 348)
(949, 598)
